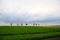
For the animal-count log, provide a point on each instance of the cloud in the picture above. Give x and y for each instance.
(29, 11)
(29, 6)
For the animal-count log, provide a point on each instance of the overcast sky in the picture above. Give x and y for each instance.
(27, 11)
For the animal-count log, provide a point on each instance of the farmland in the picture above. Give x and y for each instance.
(29, 32)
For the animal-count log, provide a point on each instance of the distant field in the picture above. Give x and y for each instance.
(29, 32)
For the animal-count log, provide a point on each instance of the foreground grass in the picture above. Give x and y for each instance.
(28, 32)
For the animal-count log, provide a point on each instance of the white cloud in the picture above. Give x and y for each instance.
(29, 6)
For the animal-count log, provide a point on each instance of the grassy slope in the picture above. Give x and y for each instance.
(27, 32)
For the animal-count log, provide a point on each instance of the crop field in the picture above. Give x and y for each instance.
(29, 33)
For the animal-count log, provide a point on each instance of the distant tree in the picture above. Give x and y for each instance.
(33, 24)
(21, 24)
(36, 24)
(11, 24)
(26, 24)
(17, 24)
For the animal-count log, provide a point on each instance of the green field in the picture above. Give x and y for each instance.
(29, 32)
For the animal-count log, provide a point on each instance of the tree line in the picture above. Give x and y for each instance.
(25, 24)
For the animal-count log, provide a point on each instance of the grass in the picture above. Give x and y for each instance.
(28, 32)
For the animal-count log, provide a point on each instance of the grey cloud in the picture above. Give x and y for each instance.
(23, 19)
